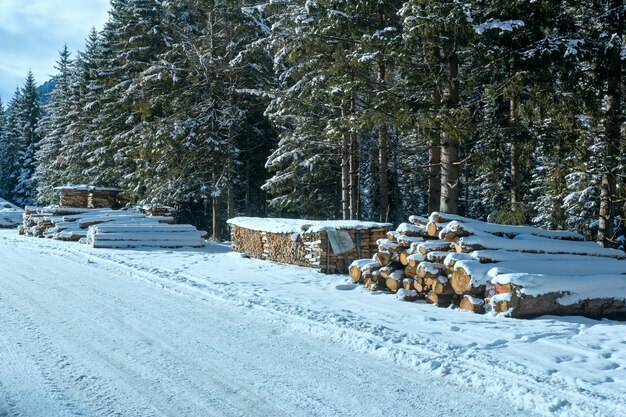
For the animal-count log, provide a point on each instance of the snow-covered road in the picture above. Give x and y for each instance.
(207, 333)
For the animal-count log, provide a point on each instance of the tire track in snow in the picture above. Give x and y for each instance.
(61, 372)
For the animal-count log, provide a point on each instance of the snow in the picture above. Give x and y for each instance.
(83, 187)
(410, 228)
(276, 225)
(186, 332)
(10, 214)
(502, 25)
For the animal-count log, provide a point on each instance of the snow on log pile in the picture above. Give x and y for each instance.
(519, 271)
(329, 246)
(108, 228)
(10, 215)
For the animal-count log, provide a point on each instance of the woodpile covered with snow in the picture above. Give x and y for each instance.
(519, 271)
(10, 215)
(329, 246)
(108, 228)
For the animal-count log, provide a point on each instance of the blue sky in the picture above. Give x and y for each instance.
(32, 32)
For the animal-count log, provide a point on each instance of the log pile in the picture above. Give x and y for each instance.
(108, 228)
(519, 271)
(87, 196)
(145, 235)
(328, 246)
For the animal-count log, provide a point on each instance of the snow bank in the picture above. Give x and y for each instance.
(10, 214)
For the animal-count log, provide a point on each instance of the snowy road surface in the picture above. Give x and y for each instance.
(87, 332)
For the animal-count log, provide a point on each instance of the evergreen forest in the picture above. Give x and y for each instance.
(508, 111)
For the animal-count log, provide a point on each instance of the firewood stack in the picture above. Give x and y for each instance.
(520, 271)
(306, 243)
(87, 196)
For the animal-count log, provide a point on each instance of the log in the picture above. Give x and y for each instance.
(433, 246)
(469, 227)
(438, 257)
(415, 259)
(410, 271)
(362, 265)
(383, 257)
(434, 229)
(403, 257)
(441, 300)
(533, 244)
(473, 304)
(408, 229)
(430, 270)
(407, 284)
(441, 286)
(472, 276)
(394, 282)
(418, 220)
(529, 295)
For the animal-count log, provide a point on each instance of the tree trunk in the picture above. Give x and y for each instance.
(434, 162)
(450, 144)
(612, 126)
(384, 174)
(514, 155)
(345, 177)
(354, 177)
(383, 149)
(217, 232)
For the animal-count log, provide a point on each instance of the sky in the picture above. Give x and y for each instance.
(32, 32)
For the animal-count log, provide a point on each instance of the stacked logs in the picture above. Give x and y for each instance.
(145, 234)
(87, 196)
(72, 224)
(305, 243)
(520, 271)
(409, 262)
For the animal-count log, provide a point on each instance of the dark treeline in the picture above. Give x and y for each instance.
(510, 111)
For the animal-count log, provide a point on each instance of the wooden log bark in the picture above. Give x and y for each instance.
(473, 304)
(530, 295)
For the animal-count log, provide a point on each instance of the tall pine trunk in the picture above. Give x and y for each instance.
(354, 177)
(613, 68)
(434, 161)
(449, 143)
(383, 158)
(345, 176)
(514, 154)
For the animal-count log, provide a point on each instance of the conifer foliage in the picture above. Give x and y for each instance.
(504, 110)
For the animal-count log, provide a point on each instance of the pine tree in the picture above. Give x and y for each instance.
(29, 113)
(55, 146)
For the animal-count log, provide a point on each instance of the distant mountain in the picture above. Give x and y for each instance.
(45, 89)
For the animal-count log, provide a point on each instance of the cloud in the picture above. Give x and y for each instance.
(33, 32)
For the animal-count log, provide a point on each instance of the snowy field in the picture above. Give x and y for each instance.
(208, 333)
